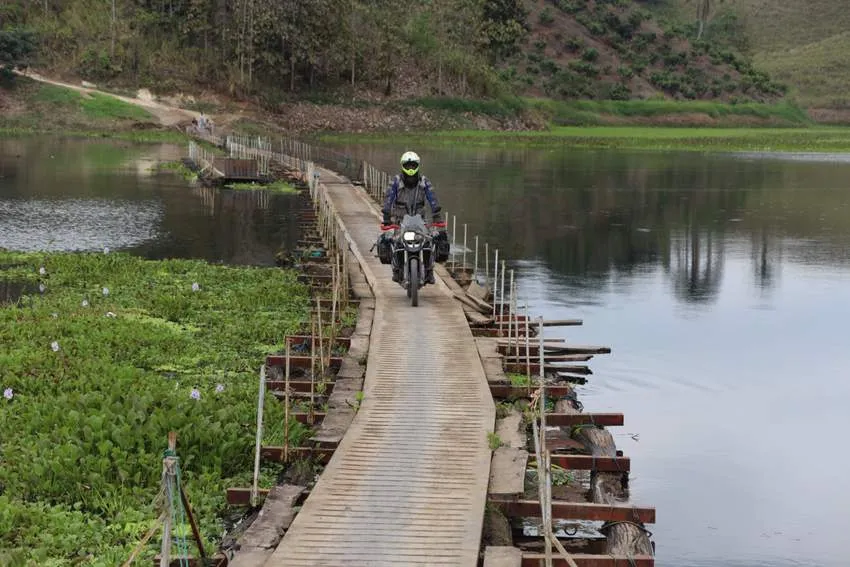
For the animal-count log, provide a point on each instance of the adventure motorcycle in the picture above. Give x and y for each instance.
(410, 250)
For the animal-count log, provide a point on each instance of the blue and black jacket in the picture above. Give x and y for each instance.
(402, 199)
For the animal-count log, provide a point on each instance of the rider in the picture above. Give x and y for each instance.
(406, 195)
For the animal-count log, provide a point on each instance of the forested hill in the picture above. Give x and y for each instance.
(387, 49)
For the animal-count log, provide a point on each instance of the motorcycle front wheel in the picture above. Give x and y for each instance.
(413, 281)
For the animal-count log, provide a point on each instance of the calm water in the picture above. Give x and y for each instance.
(60, 194)
(722, 284)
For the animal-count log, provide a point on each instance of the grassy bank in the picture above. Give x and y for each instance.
(624, 112)
(815, 139)
(99, 366)
(31, 107)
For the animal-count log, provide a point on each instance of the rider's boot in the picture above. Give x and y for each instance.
(396, 275)
(429, 277)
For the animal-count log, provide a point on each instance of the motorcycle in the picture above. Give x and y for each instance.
(412, 247)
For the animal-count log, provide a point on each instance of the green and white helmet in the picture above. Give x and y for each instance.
(410, 163)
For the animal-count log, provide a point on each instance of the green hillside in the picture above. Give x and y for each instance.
(386, 49)
(802, 43)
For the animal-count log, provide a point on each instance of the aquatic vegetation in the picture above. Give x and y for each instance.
(90, 393)
(276, 186)
(814, 139)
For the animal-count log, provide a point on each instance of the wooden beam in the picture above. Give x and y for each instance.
(512, 392)
(569, 419)
(298, 386)
(515, 368)
(304, 416)
(300, 361)
(242, 496)
(562, 510)
(322, 454)
(588, 560)
(589, 463)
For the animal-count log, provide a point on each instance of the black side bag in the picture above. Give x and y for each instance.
(441, 247)
(385, 249)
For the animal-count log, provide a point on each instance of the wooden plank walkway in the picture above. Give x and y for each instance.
(408, 483)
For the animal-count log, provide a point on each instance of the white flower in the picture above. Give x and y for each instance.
(54, 315)
(42, 271)
(105, 291)
(106, 249)
(195, 286)
(8, 393)
(85, 303)
(195, 394)
(110, 314)
(41, 287)
(219, 388)
(55, 346)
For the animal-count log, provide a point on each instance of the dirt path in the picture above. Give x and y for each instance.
(167, 115)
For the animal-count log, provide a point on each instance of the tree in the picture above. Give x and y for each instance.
(16, 46)
(703, 14)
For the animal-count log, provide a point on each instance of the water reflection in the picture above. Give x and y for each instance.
(595, 215)
(71, 194)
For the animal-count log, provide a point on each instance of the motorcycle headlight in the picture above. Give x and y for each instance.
(409, 236)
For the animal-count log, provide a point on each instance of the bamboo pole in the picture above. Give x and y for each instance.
(312, 362)
(286, 405)
(454, 235)
(527, 345)
(502, 298)
(463, 264)
(167, 472)
(510, 316)
(260, 399)
(495, 282)
(487, 264)
(515, 310)
(475, 269)
(321, 345)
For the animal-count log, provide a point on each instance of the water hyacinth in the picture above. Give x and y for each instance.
(219, 388)
(114, 374)
(106, 249)
(41, 287)
(42, 271)
(195, 286)
(85, 303)
(105, 291)
(8, 393)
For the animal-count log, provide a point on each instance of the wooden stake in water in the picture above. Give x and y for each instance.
(502, 298)
(463, 263)
(515, 308)
(510, 318)
(527, 345)
(454, 234)
(486, 264)
(475, 269)
(495, 282)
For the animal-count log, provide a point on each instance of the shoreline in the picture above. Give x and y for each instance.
(639, 125)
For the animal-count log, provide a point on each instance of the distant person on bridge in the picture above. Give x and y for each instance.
(406, 195)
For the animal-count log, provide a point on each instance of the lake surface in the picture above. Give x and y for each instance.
(719, 281)
(72, 194)
(722, 284)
